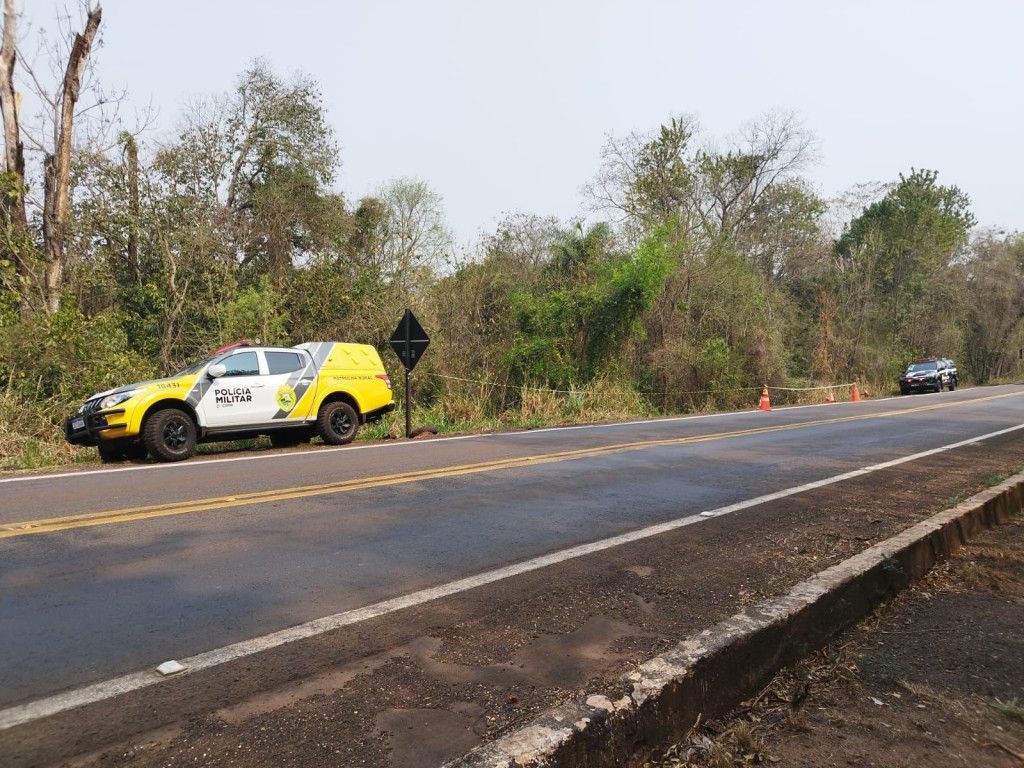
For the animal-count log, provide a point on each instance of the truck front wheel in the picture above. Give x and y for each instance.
(337, 423)
(169, 435)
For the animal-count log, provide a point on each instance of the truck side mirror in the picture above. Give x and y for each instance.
(216, 370)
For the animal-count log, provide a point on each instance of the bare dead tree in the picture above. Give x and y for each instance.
(57, 165)
(71, 112)
(14, 152)
(644, 176)
(172, 327)
(131, 158)
(415, 235)
(608, 192)
(731, 184)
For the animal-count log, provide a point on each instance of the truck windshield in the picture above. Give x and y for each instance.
(194, 367)
(921, 367)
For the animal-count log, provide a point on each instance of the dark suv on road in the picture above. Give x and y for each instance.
(929, 375)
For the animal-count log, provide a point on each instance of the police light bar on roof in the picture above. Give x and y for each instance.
(232, 345)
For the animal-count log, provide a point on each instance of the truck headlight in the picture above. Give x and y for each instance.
(116, 399)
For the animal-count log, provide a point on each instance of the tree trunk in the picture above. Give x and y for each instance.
(14, 151)
(57, 167)
(131, 150)
(14, 154)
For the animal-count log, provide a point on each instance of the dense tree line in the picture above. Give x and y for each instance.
(701, 269)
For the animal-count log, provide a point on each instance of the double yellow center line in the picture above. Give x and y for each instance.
(128, 514)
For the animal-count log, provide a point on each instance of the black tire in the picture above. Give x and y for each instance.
(938, 385)
(337, 423)
(112, 450)
(169, 435)
(904, 391)
(292, 436)
(952, 384)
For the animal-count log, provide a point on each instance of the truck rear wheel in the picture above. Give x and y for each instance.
(169, 435)
(337, 423)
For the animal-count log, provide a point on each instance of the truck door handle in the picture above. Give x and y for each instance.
(257, 386)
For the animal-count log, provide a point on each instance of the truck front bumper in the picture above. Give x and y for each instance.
(87, 428)
(919, 385)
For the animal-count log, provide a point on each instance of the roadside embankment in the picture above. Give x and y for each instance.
(933, 678)
(710, 672)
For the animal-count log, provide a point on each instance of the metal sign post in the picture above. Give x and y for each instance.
(408, 405)
(409, 341)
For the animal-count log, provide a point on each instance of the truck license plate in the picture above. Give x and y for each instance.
(78, 423)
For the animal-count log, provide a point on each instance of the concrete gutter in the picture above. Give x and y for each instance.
(711, 672)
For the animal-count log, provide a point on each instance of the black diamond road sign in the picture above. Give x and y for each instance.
(409, 340)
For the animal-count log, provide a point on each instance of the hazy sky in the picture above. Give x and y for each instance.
(505, 106)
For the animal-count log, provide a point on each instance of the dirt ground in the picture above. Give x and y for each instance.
(935, 678)
(426, 685)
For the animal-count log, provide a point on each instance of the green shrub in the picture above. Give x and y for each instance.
(65, 357)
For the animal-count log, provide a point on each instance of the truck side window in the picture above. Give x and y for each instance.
(242, 364)
(283, 362)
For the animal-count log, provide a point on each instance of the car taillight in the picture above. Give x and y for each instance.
(386, 379)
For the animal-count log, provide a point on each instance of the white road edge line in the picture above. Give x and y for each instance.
(284, 455)
(90, 694)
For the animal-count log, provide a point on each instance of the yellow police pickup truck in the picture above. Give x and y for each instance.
(291, 394)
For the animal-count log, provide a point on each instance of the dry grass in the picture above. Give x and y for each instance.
(29, 438)
(465, 407)
(983, 566)
(1011, 709)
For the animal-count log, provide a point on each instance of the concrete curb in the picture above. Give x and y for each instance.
(709, 673)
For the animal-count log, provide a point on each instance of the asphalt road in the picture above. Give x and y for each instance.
(105, 572)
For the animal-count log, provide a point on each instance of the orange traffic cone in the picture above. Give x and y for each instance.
(854, 393)
(766, 402)
(830, 398)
